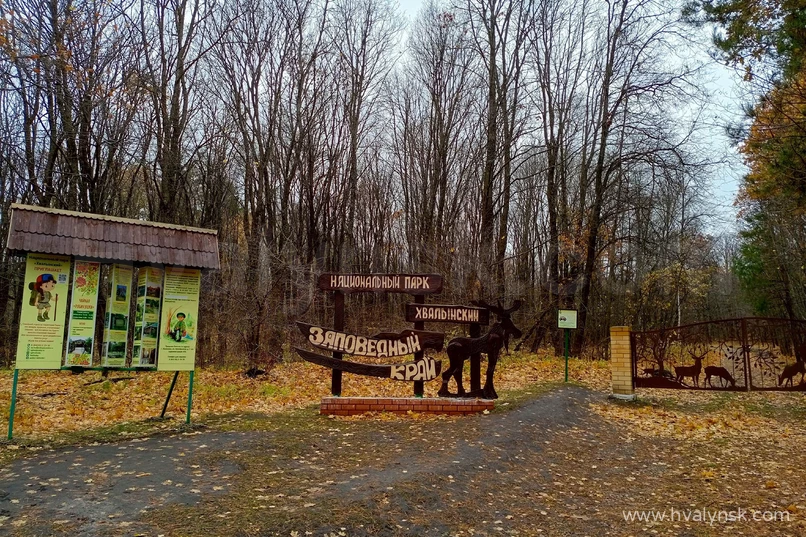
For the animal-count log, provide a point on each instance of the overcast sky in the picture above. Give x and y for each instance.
(727, 106)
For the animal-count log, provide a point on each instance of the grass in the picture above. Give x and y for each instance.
(779, 405)
(517, 397)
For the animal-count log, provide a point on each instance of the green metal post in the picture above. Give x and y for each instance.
(190, 397)
(170, 391)
(13, 404)
(567, 338)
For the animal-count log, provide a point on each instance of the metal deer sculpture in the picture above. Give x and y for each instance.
(461, 348)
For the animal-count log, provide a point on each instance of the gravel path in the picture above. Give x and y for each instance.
(88, 490)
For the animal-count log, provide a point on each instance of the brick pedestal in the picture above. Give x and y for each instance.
(350, 406)
(621, 362)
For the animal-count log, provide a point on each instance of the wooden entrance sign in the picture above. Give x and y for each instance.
(451, 313)
(417, 285)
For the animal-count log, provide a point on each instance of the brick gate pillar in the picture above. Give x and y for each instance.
(621, 363)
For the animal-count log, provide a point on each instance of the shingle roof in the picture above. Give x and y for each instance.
(110, 239)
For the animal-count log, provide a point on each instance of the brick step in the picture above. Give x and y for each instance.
(350, 406)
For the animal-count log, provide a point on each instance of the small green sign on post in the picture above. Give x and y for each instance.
(567, 320)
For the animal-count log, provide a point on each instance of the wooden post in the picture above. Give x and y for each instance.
(475, 361)
(170, 392)
(338, 324)
(419, 386)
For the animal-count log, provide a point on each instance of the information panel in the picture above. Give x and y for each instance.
(147, 317)
(116, 322)
(83, 311)
(42, 319)
(179, 319)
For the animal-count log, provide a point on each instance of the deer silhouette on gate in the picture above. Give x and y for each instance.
(721, 373)
(461, 348)
(693, 371)
(791, 371)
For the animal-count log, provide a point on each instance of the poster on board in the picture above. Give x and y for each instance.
(116, 321)
(42, 317)
(83, 310)
(179, 319)
(147, 317)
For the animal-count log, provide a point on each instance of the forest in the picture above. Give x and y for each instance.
(554, 151)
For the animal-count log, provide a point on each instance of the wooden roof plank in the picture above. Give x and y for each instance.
(174, 256)
(60, 245)
(42, 230)
(97, 230)
(75, 246)
(166, 239)
(42, 225)
(64, 226)
(91, 248)
(112, 252)
(138, 238)
(83, 232)
(46, 241)
(143, 252)
(21, 221)
(128, 234)
(150, 238)
(119, 233)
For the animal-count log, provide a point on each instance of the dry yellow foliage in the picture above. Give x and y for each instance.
(685, 415)
(58, 401)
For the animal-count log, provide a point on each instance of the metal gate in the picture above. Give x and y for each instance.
(752, 353)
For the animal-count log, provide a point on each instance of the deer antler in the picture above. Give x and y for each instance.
(698, 356)
(482, 304)
(515, 306)
(499, 310)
